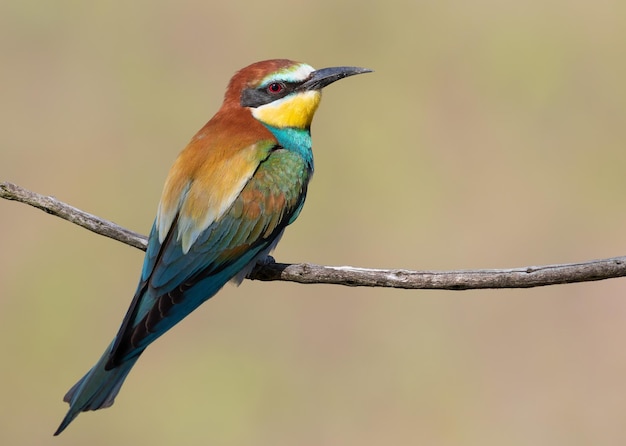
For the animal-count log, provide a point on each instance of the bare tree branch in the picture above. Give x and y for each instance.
(525, 277)
(81, 218)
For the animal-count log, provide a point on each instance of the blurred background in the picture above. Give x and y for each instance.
(491, 135)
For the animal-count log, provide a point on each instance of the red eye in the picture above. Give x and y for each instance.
(275, 87)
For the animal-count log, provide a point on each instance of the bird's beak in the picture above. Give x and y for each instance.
(326, 76)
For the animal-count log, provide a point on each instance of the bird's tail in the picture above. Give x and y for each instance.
(97, 389)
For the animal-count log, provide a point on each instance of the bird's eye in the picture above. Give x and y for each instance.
(275, 87)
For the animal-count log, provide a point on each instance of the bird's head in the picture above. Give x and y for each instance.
(282, 93)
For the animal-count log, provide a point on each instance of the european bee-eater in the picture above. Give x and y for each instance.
(226, 202)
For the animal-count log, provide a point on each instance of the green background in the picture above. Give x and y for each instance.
(491, 135)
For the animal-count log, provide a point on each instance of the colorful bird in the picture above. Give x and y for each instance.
(226, 202)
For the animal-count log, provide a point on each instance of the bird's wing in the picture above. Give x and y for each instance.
(193, 261)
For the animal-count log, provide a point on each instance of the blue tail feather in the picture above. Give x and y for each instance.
(97, 389)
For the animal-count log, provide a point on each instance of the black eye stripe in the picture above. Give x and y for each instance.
(255, 97)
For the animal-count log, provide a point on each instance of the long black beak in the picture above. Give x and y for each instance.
(326, 76)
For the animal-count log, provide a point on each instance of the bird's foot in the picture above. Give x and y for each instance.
(267, 260)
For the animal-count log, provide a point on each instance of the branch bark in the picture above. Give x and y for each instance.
(524, 277)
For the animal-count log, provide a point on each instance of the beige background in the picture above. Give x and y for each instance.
(492, 134)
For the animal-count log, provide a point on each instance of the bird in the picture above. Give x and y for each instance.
(228, 197)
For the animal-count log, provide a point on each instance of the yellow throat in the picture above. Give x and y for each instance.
(295, 111)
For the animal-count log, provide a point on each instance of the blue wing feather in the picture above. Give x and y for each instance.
(175, 283)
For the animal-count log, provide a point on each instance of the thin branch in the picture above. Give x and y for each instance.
(526, 277)
(81, 218)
